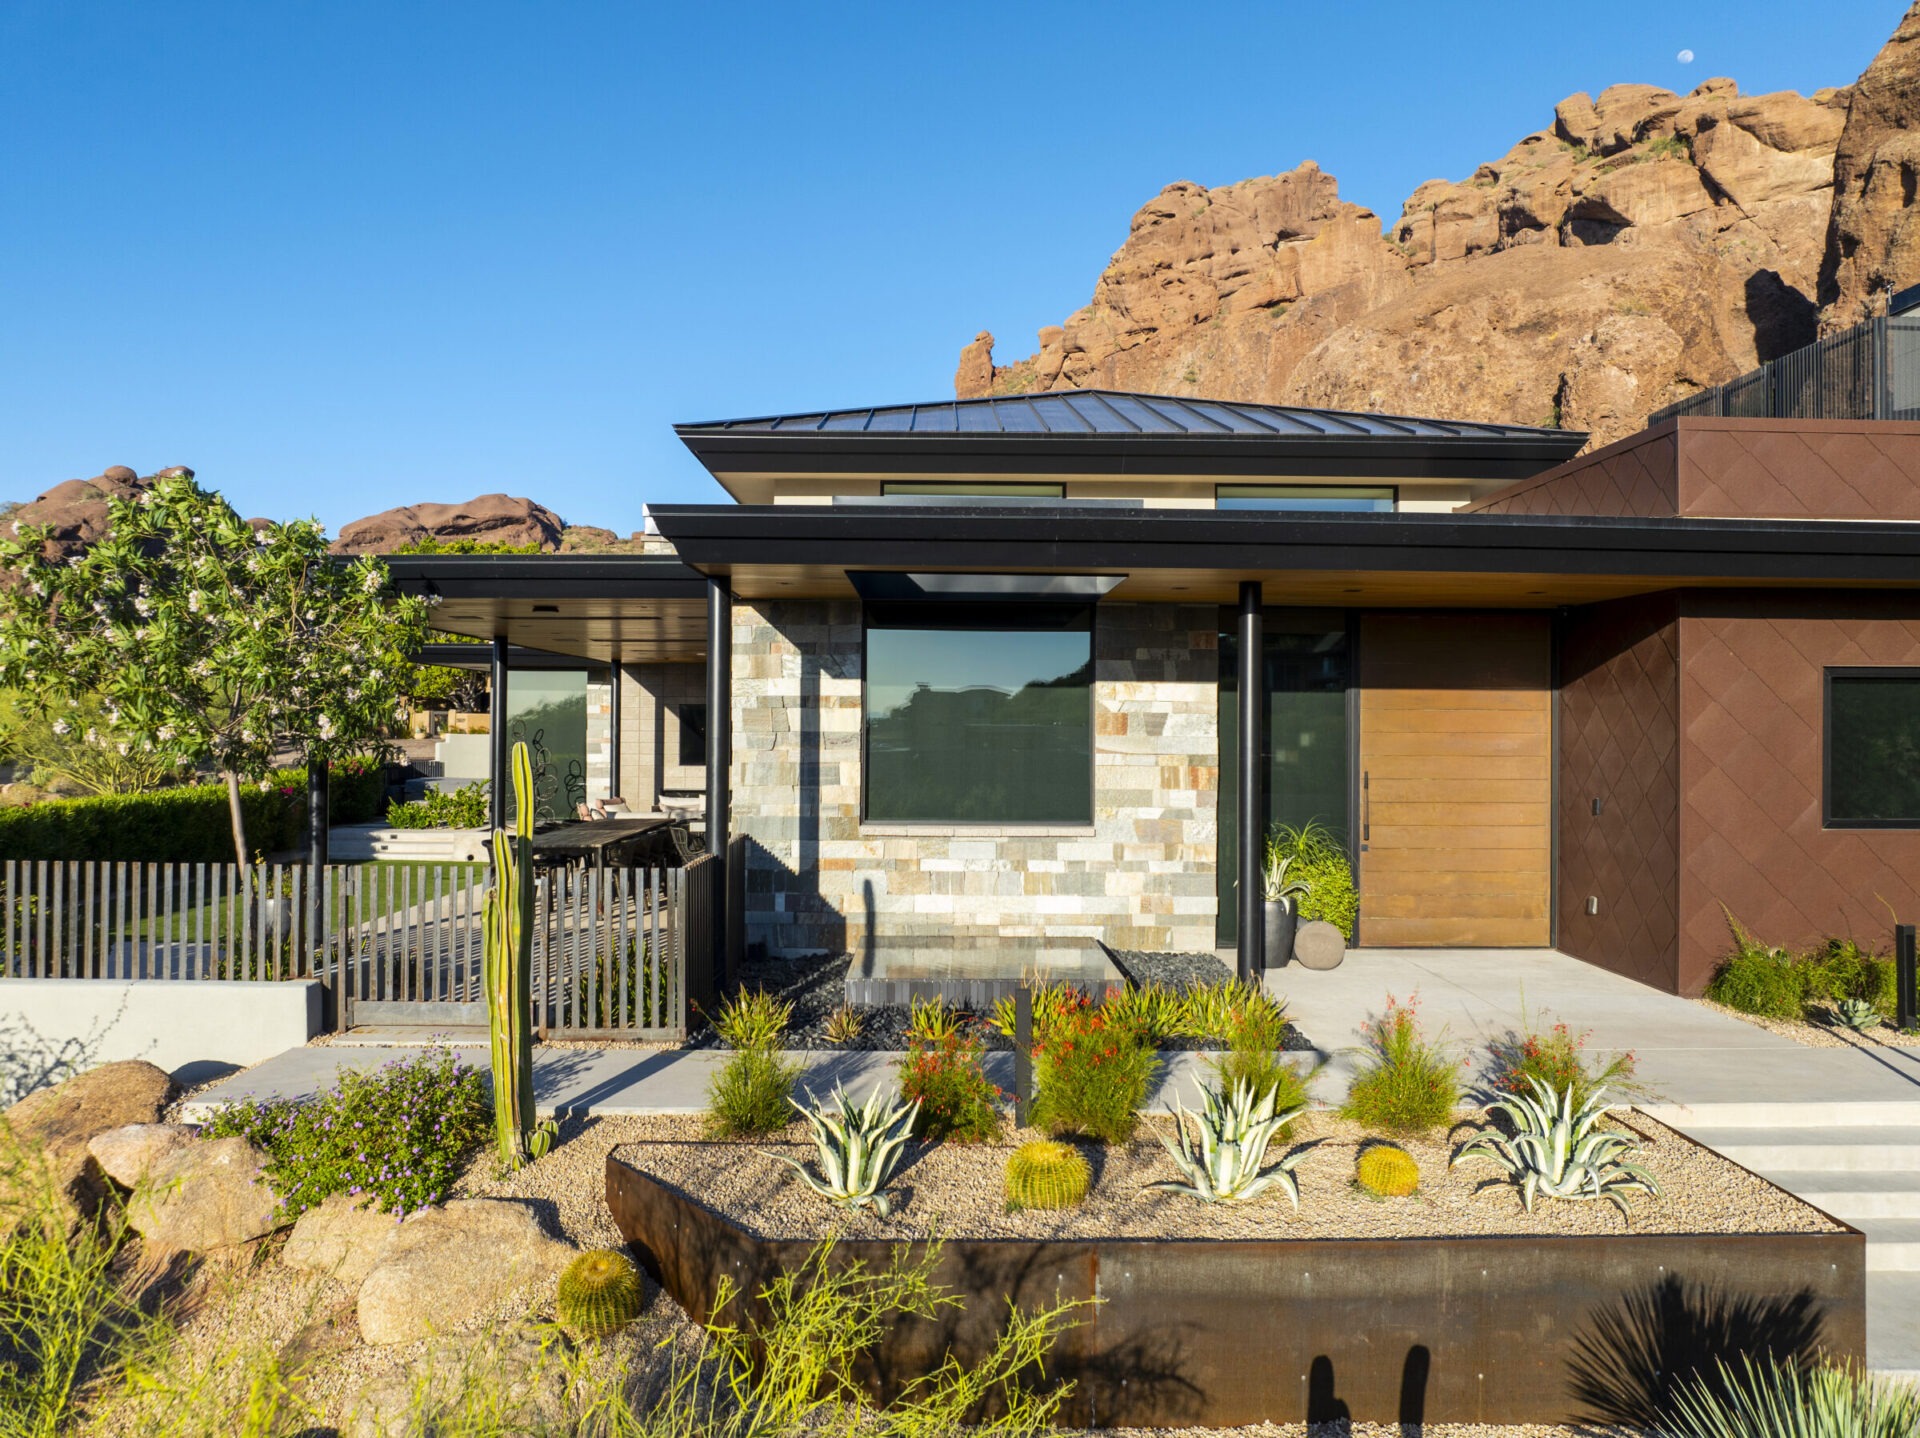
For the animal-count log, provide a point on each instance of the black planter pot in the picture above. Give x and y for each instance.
(1281, 920)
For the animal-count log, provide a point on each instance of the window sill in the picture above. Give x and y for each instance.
(977, 831)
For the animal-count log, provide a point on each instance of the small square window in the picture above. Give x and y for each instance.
(693, 734)
(1873, 749)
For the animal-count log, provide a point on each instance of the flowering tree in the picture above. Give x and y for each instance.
(208, 641)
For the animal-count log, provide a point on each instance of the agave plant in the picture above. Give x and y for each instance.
(1856, 1014)
(859, 1147)
(1560, 1151)
(1279, 856)
(1770, 1397)
(1220, 1150)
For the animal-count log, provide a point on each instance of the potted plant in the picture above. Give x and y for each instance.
(1281, 910)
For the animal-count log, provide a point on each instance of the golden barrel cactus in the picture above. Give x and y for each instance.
(1387, 1172)
(1046, 1174)
(600, 1293)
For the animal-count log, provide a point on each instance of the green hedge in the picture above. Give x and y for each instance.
(188, 825)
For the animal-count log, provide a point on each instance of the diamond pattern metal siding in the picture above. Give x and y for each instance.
(1799, 469)
(1619, 743)
(1634, 477)
(1751, 834)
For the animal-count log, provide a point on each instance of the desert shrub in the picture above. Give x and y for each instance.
(1843, 970)
(1090, 1075)
(398, 1135)
(1559, 1060)
(1048, 1002)
(751, 1094)
(1252, 1025)
(1151, 1012)
(1318, 858)
(1410, 1083)
(957, 1101)
(462, 808)
(1776, 983)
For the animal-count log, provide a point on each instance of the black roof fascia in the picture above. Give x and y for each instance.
(716, 537)
(545, 576)
(1485, 457)
(480, 656)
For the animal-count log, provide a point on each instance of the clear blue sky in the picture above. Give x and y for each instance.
(343, 256)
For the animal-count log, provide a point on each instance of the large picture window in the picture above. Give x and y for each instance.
(1873, 748)
(979, 713)
(1308, 498)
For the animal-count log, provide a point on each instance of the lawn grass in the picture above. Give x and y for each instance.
(381, 887)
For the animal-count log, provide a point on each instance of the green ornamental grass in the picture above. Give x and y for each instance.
(749, 1095)
(397, 1136)
(1410, 1084)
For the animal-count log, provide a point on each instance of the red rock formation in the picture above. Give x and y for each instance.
(77, 508)
(1873, 240)
(1646, 243)
(489, 519)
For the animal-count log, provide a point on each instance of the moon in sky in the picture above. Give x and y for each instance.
(1685, 57)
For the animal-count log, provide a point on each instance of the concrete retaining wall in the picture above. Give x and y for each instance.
(173, 1023)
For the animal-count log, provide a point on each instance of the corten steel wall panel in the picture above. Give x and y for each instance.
(1751, 804)
(1456, 778)
(1799, 469)
(1228, 1333)
(1632, 477)
(1620, 744)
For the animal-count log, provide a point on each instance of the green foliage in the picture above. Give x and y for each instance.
(1558, 1059)
(931, 1021)
(1044, 1173)
(1410, 1085)
(62, 755)
(190, 824)
(857, 1146)
(1317, 859)
(1785, 1400)
(1777, 983)
(1559, 1149)
(1856, 1014)
(462, 808)
(1219, 1151)
(1090, 1075)
(751, 1094)
(63, 1315)
(1667, 147)
(1281, 854)
(845, 1025)
(944, 1076)
(398, 1135)
(207, 642)
(1049, 1000)
(1151, 1012)
(1252, 1024)
(1386, 1172)
(433, 544)
(599, 1294)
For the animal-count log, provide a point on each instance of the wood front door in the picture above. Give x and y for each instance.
(1456, 787)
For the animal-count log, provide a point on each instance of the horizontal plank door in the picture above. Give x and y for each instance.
(1456, 779)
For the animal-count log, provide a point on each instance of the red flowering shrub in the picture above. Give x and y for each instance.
(1090, 1075)
(956, 1100)
(1558, 1059)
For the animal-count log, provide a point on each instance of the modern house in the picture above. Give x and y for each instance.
(1010, 670)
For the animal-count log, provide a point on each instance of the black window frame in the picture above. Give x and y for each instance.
(1828, 674)
(951, 608)
(680, 712)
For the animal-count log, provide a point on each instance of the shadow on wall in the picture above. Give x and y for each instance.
(785, 909)
(30, 1060)
(1632, 1357)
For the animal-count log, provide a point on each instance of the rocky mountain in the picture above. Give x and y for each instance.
(77, 508)
(1642, 245)
(487, 519)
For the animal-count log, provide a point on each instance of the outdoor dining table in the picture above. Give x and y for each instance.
(591, 840)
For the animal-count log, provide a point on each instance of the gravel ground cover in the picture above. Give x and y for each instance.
(957, 1189)
(815, 986)
(1823, 1036)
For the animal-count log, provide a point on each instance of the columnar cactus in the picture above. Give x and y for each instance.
(509, 976)
(600, 1293)
(1045, 1174)
(1387, 1172)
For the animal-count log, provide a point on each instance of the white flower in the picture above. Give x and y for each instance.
(264, 786)
(122, 747)
(194, 600)
(326, 727)
(143, 606)
(61, 726)
(93, 736)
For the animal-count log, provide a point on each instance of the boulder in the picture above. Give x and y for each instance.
(487, 519)
(63, 1120)
(341, 1238)
(1873, 237)
(129, 1153)
(1319, 945)
(447, 1267)
(210, 1194)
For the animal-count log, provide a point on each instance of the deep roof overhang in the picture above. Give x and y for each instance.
(771, 550)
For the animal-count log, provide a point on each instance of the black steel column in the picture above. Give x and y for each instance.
(1905, 1001)
(719, 752)
(614, 788)
(316, 945)
(1251, 797)
(502, 766)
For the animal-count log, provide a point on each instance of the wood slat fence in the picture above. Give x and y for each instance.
(617, 952)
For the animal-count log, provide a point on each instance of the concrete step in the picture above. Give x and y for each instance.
(1893, 1323)
(1853, 1196)
(1893, 1244)
(1692, 1118)
(1852, 1148)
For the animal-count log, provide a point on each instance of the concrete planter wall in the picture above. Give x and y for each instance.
(173, 1023)
(1545, 1329)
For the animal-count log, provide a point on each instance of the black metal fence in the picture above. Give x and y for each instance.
(1871, 371)
(619, 952)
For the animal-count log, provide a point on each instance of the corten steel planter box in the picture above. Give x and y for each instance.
(1227, 1333)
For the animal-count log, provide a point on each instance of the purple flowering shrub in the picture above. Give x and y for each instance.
(398, 1135)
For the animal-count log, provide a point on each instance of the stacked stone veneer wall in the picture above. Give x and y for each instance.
(1141, 876)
